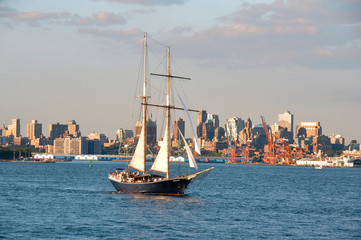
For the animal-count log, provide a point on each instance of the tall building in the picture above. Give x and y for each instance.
(179, 125)
(246, 132)
(73, 128)
(34, 130)
(202, 116)
(309, 129)
(213, 119)
(14, 128)
(285, 120)
(285, 126)
(151, 131)
(233, 127)
(97, 136)
(123, 134)
(71, 145)
(57, 130)
(62, 130)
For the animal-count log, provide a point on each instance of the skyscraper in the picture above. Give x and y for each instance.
(214, 119)
(70, 128)
(179, 124)
(14, 128)
(34, 130)
(233, 127)
(151, 131)
(285, 120)
(202, 116)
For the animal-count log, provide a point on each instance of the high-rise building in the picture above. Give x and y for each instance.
(285, 125)
(179, 125)
(151, 131)
(309, 129)
(233, 127)
(14, 128)
(285, 120)
(34, 130)
(246, 132)
(70, 145)
(57, 130)
(98, 136)
(73, 128)
(62, 130)
(202, 116)
(123, 134)
(213, 119)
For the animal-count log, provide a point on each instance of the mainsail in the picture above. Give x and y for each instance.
(161, 162)
(138, 160)
(191, 160)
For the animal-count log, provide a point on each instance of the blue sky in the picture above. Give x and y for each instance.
(80, 59)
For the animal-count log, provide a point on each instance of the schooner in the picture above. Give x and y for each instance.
(136, 178)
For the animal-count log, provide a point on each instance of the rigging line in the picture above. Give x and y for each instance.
(161, 44)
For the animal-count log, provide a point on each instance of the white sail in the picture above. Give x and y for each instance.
(191, 160)
(138, 160)
(161, 161)
(196, 142)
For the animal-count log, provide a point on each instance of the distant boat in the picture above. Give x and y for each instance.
(140, 180)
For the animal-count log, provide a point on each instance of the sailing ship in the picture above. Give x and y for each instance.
(136, 178)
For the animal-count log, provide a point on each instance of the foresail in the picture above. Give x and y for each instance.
(196, 142)
(192, 162)
(161, 162)
(138, 160)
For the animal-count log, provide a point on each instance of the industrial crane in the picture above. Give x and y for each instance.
(244, 150)
(269, 156)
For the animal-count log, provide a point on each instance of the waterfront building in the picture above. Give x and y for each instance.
(309, 129)
(70, 145)
(33, 130)
(94, 146)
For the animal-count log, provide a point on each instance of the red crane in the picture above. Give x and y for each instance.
(269, 156)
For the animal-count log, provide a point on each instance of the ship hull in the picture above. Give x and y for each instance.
(174, 186)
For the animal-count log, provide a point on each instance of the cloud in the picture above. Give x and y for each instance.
(315, 34)
(99, 18)
(31, 18)
(125, 36)
(149, 2)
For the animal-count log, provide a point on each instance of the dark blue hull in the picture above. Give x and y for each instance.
(174, 186)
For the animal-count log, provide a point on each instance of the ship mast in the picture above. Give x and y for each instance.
(168, 109)
(144, 100)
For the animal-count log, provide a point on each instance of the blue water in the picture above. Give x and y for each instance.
(74, 201)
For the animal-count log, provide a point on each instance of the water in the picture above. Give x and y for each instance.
(74, 201)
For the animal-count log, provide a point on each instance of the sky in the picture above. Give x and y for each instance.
(62, 60)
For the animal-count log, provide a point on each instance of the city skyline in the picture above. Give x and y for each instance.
(68, 61)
